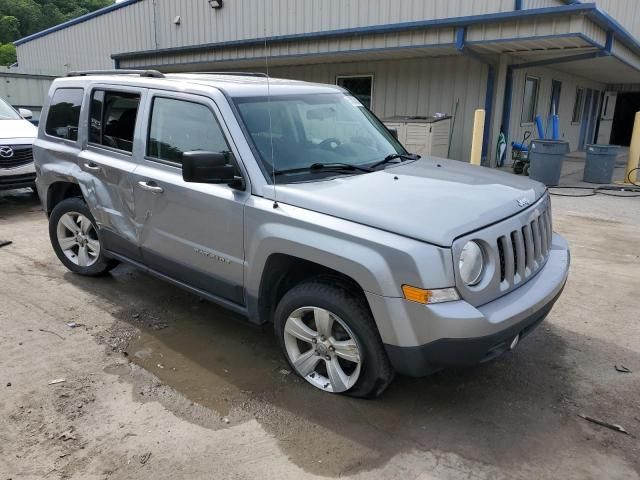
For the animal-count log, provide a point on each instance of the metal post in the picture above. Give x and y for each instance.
(478, 134)
(631, 173)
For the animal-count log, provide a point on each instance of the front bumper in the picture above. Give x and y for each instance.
(18, 177)
(428, 338)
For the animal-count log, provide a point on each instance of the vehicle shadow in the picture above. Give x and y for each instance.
(18, 202)
(507, 412)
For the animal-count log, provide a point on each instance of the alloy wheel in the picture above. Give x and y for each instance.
(78, 239)
(322, 349)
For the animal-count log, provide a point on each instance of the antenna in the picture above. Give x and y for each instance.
(266, 63)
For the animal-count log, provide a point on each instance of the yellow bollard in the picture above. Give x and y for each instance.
(631, 173)
(478, 135)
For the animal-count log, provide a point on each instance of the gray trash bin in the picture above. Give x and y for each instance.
(546, 158)
(600, 163)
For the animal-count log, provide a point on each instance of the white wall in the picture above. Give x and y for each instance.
(568, 131)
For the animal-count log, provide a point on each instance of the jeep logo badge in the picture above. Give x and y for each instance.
(6, 152)
(523, 202)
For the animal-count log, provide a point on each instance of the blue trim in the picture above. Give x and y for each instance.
(609, 45)
(518, 5)
(75, 21)
(607, 22)
(461, 33)
(374, 29)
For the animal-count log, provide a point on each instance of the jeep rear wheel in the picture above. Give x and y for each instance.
(329, 338)
(75, 238)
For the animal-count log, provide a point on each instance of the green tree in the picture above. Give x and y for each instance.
(7, 54)
(9, 29)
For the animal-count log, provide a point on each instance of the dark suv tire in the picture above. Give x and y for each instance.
(75, 238)
(329, 338)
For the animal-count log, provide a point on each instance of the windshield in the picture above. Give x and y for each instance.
(312, 129)
(7, 112)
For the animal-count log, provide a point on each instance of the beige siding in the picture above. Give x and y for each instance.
(542, 3)
(568, 131)
(26, 91)
(417, 87)
(140, 26)
(627, 12)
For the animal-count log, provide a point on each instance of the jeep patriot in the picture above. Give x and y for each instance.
(292, 204)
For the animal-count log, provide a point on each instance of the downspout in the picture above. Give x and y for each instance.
(461, 33)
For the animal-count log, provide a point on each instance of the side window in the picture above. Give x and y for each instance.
(179, 126)
(530, 100)
(64, 113)
(113, 119)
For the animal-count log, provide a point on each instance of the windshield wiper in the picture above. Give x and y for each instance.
(394, 156)
(326, 167)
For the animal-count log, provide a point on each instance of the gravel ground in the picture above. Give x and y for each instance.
(127, 377)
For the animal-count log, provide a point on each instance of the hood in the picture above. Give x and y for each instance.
(14, 129)
(432, 199)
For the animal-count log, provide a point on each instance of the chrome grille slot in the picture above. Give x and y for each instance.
(517, 248)
(22, 155)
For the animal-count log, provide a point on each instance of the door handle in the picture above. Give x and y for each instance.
(92, 166)
(151, 186)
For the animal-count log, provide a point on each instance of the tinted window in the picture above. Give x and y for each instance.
(578, 106)
(178, 126)
(64, 113)
(359, 87)
(113, 119)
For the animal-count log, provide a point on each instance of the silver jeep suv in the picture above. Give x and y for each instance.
(291, 203)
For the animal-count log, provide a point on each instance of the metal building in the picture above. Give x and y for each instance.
(516, 58)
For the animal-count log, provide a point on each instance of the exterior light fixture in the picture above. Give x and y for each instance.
(215, 3)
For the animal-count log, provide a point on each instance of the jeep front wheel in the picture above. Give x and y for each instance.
(329, 338)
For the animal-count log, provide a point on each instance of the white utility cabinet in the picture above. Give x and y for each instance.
(422, 135)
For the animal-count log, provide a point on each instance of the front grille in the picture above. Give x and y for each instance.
(522, 252)
(515, 250)
(22, 155)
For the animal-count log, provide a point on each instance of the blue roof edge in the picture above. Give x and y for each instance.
(75, 21)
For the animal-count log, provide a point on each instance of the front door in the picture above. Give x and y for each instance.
(192, 232)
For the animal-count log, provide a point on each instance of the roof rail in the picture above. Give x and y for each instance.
(142, 73)
(239, 74)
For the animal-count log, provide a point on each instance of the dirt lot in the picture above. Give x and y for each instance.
(158, 384)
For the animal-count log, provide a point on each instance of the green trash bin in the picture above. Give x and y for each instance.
(600, 163)
(547, 157)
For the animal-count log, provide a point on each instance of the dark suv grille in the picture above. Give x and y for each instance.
(22, 155)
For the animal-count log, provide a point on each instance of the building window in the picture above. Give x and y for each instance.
(179, 126)
(64, 113)
(530, 100)
(360, 86)
(113, 119)
(578, 106)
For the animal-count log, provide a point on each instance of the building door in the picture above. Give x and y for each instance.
(606, 118)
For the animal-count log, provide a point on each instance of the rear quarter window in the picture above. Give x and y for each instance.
(64, 113)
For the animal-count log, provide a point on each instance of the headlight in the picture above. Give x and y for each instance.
(471, 264)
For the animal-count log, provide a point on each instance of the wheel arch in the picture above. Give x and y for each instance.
(282, 272)
(59, 191)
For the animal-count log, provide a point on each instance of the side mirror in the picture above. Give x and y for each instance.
(24, 113)
(210, 167)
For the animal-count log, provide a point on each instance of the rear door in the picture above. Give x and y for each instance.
(109, 158)
(192, 232)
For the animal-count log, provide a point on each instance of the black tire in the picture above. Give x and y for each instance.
(526, 170)
(518, 168)
(102, 264)
(350, 306)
